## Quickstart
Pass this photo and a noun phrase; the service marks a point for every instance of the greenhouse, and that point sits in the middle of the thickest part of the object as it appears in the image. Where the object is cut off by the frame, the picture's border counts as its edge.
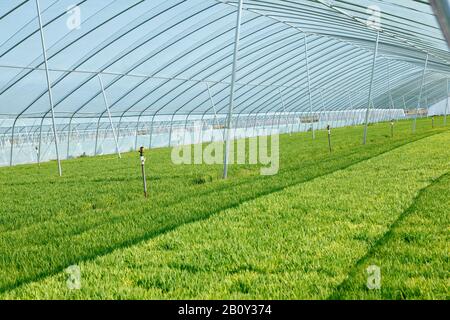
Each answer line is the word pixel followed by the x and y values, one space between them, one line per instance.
pixel 84 84
pixel 126 73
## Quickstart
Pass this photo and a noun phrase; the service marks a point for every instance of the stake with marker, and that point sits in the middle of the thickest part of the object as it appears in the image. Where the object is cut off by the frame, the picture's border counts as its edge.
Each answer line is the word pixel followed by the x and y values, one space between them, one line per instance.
pixel 329 137
pixel 37 155
pixel 141 152
pixel 392 128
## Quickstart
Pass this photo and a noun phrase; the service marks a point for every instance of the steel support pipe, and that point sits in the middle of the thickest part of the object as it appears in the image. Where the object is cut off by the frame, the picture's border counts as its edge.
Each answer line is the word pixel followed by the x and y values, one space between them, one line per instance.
pixel 420 94
pixel 215 112
pixel 50 95
pixel 446 105
pixel 233 81
pixel 309 87
pixel 284 110
pixel 105 100
pixel 366 121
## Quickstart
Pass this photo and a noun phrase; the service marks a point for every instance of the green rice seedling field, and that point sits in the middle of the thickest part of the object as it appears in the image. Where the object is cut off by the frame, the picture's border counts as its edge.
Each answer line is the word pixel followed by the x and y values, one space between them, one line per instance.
pixel 308 232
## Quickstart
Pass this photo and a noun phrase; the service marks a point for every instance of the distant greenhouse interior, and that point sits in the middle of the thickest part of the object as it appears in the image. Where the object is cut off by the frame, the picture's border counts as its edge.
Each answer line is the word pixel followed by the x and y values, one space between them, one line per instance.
pixel 89 77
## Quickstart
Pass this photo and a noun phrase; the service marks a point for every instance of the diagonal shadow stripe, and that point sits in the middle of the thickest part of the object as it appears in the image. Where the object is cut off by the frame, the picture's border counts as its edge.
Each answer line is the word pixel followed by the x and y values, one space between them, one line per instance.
pixel 336 295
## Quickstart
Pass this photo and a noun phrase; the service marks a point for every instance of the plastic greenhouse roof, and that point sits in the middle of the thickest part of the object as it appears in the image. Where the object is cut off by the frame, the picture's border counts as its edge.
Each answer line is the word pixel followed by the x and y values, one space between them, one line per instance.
pixel 167 57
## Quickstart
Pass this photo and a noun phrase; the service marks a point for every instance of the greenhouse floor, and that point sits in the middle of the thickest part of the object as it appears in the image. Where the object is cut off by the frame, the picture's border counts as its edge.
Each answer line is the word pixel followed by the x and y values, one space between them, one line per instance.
pixel 308 232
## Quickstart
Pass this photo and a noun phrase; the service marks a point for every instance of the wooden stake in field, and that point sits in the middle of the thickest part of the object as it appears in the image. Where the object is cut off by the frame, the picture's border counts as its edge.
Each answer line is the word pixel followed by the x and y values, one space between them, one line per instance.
pixel 392 128
pixel 144 179
pixel 329 138
pixel 432 122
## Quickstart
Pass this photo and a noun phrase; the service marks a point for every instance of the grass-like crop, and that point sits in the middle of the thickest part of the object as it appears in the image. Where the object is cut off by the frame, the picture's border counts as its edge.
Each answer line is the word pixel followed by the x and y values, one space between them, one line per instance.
pixel 49 223
pixel 413 256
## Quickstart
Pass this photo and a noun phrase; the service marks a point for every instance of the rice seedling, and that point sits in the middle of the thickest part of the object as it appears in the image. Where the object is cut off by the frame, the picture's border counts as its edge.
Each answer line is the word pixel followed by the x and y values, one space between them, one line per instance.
pixel 296 234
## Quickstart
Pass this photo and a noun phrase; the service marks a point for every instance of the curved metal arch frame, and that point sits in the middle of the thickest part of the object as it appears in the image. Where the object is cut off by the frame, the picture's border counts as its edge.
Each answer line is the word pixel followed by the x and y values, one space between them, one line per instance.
pixel 191 111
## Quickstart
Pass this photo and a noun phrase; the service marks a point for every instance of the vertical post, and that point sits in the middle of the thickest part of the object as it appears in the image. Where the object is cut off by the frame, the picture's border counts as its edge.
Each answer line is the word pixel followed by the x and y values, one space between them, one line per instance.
pixel 333 118
pixel 171 130
pixel 236 126
pixel 37 152
pixel 391 105
pixel 109 115
pixel 366 123
pixel 214 109
pixel 136 133
pixel 291 120
pixel 254 125
pixel 309 87
pixel 392 128
pixel 50 95
pixel 279 120
pixel 404 105
pixel 151 131
pixel 323 105
pixel 343 117
pixel 233 80
pixel 119 125
pixel 68 138
pixel 420 94
pixel 266 118
pixel 360 116
pixel 212 130
pixel 338 119
pixel 351 107
pixel 273 121
pixel 12 144
pixel 347 117
pixel 284 109
pixel 185 129
pixel 329 138
pixel 40 142
pixel 202 133
pixel 96 135
pixel 446 107
pixel 144 179
pixel 246 125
